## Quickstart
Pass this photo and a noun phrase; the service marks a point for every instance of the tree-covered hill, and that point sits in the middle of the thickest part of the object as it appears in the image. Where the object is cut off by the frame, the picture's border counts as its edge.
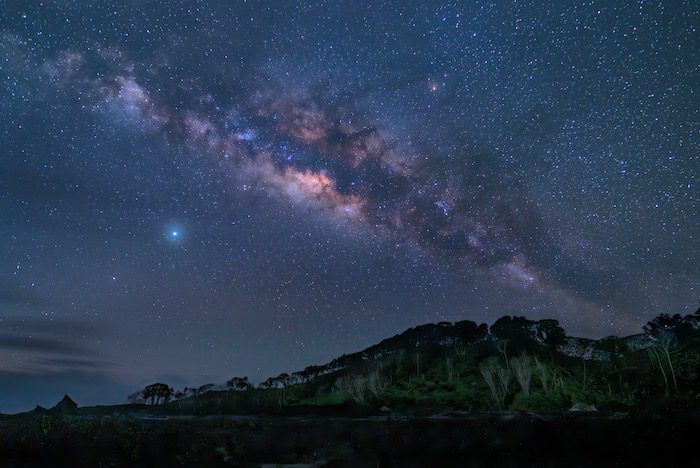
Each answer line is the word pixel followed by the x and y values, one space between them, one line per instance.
pixel 515 364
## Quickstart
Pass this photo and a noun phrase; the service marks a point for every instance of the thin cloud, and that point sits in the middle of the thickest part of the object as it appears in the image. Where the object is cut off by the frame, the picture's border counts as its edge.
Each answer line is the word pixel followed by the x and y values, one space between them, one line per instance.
pixel 40 344
pixel 51 326
pixel 66 363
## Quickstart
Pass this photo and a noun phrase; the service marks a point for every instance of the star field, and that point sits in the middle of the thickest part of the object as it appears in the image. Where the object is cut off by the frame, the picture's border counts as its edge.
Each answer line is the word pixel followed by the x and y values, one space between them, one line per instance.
pixel 195 190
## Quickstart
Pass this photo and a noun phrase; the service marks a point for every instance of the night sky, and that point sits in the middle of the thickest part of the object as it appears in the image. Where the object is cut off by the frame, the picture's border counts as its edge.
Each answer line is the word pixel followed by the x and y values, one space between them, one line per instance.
pixel 197 190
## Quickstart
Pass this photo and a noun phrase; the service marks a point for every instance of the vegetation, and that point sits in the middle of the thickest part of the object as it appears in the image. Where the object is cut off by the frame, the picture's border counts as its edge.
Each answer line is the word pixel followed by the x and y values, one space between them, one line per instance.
pixel 517 365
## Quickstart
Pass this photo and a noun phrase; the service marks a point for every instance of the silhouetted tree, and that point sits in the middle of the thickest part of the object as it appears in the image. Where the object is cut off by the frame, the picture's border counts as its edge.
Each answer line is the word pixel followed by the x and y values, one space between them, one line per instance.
pixel 521 333
pixel 136 398
pixel 550 332
pixel 311 372
pixel 267 384
pixel 280 382
pixel 238 384
pixel 518 331
pixel 157 393
pixel 206 388
pixel 683 327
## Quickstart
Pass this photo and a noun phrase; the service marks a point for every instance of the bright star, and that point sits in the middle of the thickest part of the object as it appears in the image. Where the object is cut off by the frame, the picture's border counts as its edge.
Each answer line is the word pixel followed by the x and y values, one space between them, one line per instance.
pixel 174 233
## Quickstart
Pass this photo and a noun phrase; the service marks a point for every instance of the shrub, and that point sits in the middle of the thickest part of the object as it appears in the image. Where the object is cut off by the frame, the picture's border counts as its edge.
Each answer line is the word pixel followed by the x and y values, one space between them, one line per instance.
pixel 613 402
pixel 540 402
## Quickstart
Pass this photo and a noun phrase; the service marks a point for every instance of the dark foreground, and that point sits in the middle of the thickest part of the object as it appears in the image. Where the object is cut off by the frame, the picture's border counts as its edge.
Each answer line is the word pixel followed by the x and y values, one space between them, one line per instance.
pixel 458 440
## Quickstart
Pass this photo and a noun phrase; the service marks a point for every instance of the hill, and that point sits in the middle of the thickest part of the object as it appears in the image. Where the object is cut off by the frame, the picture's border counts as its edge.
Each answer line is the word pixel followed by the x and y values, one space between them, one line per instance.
pixel 516 364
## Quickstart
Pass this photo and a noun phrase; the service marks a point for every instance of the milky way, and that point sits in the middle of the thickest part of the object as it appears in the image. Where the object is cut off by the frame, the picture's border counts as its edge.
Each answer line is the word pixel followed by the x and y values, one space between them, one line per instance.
pixel 199 191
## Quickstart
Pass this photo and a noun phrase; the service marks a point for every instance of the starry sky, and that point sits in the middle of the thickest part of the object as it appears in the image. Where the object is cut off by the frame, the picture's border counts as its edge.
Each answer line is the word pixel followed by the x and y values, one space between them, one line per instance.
pixel 195 190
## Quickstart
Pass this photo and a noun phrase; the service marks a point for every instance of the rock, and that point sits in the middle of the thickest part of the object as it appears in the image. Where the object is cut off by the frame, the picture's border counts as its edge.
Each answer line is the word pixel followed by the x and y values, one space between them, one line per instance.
pixel 583 408
pixel 384 409
pixel 535 416
pixel 66 405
